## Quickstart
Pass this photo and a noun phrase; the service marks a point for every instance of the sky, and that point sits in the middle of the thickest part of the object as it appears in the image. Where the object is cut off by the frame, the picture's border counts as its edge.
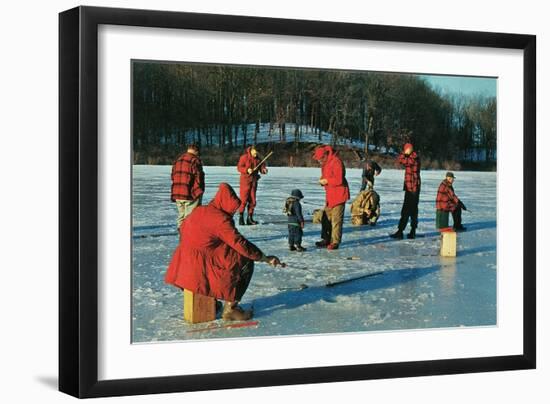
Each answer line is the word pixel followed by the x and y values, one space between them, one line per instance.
pixel 465 85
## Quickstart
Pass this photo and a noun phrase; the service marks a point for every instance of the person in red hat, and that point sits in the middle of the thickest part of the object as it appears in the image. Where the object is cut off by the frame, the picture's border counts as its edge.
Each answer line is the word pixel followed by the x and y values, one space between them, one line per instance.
pixel 187 182
pixel 250 174
pixel 411 161
pixel 333 179
pixel 213 258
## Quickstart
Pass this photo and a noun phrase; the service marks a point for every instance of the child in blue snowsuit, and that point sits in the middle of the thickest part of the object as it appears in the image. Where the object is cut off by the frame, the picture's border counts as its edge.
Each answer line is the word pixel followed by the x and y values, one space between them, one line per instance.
pixel 293 210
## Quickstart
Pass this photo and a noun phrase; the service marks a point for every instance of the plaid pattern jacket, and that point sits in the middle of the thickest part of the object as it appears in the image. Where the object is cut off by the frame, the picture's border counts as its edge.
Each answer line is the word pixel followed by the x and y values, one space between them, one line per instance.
pixel 187 178
pixel 412 171
pixel 446 199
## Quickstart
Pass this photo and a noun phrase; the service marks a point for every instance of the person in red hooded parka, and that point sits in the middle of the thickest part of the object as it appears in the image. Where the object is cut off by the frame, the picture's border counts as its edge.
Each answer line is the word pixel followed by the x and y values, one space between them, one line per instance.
pixel 333 179
pixel 213 258
pixel 250 174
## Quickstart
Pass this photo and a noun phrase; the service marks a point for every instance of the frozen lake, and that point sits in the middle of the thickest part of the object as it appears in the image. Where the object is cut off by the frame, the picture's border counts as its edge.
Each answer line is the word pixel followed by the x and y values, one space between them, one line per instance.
pixel 415 288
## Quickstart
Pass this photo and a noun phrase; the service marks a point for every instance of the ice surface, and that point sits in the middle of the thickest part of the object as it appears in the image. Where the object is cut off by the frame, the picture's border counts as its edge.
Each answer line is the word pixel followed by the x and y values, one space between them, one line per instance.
pixel 415 289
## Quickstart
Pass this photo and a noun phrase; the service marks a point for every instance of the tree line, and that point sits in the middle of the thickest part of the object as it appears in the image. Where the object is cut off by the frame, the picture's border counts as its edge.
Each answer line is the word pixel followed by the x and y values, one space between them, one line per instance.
pixel 215 103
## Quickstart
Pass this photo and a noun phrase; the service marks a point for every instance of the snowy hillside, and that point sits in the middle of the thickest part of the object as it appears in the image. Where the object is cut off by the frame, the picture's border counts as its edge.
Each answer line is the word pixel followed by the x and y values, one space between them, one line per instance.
pixel 412 287
pixel 307 135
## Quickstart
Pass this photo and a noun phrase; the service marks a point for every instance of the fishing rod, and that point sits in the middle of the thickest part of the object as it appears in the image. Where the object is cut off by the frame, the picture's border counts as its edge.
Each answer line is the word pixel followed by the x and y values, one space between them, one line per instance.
pixel 331 284
pixel 261 162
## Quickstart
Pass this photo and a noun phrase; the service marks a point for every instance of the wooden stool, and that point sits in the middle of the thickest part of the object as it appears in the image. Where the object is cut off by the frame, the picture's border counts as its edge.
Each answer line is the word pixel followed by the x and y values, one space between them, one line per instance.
pixel 448 242
pixel 198 308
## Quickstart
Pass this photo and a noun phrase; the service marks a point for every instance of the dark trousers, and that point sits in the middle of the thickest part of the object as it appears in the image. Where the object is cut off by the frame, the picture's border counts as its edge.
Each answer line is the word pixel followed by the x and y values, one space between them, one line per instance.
pixel 294 235
pixel 409 210
pixel 457 217
pixel 246 274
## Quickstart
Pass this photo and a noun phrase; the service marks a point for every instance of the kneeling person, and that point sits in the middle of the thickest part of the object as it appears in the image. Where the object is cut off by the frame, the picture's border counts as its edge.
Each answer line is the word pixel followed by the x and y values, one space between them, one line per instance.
pixel 365 208
pixel 213 258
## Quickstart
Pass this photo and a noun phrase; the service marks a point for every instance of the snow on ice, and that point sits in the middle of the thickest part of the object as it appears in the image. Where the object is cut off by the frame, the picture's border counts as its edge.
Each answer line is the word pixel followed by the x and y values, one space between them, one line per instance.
pixel 411 287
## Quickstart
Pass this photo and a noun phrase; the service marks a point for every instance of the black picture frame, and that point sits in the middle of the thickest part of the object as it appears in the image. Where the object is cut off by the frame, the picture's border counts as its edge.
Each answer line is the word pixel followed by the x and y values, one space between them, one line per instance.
pixel 78 201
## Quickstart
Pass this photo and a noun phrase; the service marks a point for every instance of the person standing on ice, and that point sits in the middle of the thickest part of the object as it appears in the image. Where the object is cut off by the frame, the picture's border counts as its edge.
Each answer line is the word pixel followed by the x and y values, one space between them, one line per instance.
pixel 293 210
pixel 446 201
pixel 333 179
pixel 370 170
pixel 250 174
pixel 213 258
pixel 411 161
pixel 187 182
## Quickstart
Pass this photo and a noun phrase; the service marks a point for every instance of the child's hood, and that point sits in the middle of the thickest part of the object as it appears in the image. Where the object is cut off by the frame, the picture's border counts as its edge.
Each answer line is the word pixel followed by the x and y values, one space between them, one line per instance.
pixel 296 193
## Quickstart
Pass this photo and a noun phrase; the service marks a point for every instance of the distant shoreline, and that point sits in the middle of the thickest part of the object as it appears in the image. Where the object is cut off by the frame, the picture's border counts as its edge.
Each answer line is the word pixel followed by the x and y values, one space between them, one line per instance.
pixel 353 168
pixel 299 155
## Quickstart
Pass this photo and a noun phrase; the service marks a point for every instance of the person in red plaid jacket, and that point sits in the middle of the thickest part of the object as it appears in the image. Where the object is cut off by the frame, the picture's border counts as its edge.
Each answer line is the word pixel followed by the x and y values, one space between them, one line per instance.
pixel 187 182
pixel 446 201
pixel 411 161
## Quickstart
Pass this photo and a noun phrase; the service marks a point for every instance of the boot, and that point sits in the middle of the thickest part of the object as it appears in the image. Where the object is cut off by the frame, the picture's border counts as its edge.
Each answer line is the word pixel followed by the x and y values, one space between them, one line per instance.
pixel 397 235
pixel 322 244
pixel 412 234
pixel 219 306
pixel 250 220
pixel 299 248
pixel 459 228
pixel 332 246
pixel 291 248
pixel 241 219
pixel 233 312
